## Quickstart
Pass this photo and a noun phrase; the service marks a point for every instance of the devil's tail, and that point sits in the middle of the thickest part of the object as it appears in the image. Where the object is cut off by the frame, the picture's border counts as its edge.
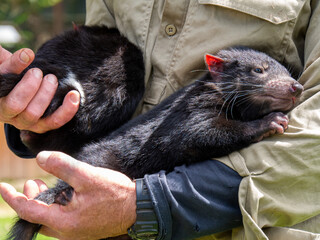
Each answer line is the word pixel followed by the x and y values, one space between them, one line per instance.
pixel 23 230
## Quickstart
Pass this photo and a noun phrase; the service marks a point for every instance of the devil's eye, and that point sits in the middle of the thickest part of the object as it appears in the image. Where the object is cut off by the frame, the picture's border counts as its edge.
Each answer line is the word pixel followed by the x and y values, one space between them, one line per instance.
pixel 258 70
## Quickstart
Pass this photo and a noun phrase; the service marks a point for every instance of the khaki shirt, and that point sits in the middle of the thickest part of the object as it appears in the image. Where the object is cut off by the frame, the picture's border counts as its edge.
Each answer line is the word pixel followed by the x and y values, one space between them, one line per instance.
pixel 279 195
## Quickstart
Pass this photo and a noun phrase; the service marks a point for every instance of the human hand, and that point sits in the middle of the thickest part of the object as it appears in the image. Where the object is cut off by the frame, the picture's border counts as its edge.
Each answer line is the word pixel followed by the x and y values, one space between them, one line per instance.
pixel 26 103
pixel 103 203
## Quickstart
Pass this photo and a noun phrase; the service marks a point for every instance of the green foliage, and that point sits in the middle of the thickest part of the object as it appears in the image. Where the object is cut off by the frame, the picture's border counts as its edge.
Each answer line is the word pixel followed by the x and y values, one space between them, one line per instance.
pixel 44 3
pixel 35 19
pixel 20 13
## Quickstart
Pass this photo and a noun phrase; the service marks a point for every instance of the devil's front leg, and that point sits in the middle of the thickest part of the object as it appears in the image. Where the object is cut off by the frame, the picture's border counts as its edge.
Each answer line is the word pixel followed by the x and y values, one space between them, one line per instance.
pixel 245 133
pixel 226 136
pixel 254 131
pixel 275 122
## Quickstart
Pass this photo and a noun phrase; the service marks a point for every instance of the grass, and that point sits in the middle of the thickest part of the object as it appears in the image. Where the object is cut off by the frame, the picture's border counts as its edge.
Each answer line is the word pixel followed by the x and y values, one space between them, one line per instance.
pixel 5 224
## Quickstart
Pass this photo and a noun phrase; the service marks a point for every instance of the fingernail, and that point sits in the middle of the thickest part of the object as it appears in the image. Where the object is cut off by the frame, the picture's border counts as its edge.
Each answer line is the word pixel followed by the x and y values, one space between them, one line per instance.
pixel 52 79
pixel 24 57
pixel 42 157
pixel 37 73
pixel 74 98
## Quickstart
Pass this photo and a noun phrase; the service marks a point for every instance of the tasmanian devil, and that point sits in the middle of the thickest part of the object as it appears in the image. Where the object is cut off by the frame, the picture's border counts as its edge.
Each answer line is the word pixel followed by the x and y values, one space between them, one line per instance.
pixel 104 67
pixel 241 99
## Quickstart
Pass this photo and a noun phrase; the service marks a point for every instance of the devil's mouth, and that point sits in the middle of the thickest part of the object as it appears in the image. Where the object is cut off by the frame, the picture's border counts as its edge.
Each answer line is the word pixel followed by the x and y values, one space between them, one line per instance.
pixel 278 103
pixel 269 96
pixel 288 99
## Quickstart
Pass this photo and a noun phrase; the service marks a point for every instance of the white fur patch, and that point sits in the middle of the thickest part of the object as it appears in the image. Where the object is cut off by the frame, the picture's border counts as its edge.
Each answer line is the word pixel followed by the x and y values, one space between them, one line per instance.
pixel 71 80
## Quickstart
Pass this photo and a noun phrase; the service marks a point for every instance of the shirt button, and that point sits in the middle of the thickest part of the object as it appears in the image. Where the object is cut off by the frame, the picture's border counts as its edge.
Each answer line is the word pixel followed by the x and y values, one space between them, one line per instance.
pixel 171 30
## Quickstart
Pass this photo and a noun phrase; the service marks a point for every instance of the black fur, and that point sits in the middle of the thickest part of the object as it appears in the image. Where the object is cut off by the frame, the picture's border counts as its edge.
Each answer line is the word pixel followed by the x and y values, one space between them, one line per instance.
pixel 226 110
pixel 111 73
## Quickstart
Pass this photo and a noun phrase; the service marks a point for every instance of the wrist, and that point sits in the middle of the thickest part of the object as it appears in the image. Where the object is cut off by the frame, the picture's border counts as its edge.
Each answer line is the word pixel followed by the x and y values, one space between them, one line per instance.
pixel 146 223
pixel 129 208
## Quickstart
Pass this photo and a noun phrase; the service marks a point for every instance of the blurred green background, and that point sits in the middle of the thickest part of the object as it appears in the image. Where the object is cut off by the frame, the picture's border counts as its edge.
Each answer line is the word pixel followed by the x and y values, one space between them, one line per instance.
pixel 29 23
pixel 38 20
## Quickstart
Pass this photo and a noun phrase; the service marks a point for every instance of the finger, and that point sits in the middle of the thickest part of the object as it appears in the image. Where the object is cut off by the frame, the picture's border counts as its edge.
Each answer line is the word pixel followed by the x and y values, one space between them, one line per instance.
pixel 18 201
pixel 31 210
pixel 61 116
pixel 17 62
pixel 33 187
pixel 64 167
pixel 4 54
pixel 41 184
pixel 40 102
pixel 19 98
pixel 8 192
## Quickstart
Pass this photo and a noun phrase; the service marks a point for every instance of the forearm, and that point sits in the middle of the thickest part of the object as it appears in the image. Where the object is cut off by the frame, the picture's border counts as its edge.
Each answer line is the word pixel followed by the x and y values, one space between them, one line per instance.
pixel 188 207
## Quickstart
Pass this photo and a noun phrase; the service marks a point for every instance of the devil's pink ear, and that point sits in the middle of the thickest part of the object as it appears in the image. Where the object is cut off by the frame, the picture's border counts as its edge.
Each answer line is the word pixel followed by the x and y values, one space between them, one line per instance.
pixel 75 26
pixel 213 63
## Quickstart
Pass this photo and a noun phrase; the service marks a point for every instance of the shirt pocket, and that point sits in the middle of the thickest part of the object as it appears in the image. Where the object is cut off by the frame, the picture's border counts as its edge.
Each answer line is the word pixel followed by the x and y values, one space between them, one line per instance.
pixel 276 12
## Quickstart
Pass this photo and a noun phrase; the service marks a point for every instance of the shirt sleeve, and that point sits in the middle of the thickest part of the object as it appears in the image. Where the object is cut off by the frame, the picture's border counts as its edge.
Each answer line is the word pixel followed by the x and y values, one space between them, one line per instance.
pixel 14 142
pixel 196 200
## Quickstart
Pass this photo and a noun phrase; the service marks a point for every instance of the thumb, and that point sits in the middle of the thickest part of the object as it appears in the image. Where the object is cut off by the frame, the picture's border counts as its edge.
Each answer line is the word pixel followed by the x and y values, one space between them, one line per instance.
pixel 64 167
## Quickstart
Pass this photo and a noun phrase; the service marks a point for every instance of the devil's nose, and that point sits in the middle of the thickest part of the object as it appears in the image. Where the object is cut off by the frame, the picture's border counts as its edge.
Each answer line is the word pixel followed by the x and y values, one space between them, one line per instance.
pixel 296 89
